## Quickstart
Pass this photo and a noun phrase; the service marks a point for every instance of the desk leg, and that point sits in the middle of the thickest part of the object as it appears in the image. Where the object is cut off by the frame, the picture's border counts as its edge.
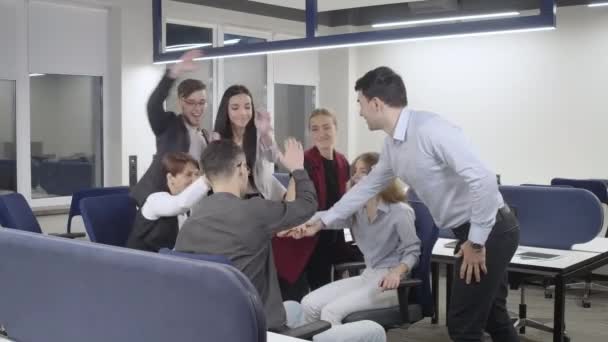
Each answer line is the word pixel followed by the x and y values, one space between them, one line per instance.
pixel 435 286
pixel 449 278
pixel 559 324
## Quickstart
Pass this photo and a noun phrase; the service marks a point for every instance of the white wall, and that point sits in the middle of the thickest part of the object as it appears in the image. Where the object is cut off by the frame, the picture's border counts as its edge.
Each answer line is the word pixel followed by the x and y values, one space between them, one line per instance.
pixel 533 103
pixel 138 79
pixel 337 79
pixel 8 64
pixel 8 37
pixel 67 39
pixel 7 117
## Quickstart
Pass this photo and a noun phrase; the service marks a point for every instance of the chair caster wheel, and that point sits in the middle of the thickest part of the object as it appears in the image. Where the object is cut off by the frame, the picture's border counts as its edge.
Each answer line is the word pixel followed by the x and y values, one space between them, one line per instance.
pixel 586 305
pixel 548 295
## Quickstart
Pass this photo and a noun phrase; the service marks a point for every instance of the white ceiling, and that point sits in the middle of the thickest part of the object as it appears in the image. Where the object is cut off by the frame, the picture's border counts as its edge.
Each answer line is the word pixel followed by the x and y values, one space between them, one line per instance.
pixel 331 5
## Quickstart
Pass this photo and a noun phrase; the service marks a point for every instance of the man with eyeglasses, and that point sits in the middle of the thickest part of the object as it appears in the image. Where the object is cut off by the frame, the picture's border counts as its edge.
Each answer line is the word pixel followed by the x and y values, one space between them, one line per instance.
pixel 174 132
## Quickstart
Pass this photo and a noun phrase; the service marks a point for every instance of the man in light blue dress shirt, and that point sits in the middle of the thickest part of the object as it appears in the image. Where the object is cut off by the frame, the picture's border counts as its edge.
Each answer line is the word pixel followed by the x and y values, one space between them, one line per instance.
pixel 434 158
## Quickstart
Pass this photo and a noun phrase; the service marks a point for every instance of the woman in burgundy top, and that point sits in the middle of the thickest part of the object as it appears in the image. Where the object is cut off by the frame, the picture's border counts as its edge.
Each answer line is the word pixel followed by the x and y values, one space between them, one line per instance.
pixel 307 263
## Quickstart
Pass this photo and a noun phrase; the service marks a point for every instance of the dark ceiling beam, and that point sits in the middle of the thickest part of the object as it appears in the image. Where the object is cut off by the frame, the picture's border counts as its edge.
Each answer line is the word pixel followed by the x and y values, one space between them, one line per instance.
pixel 379 13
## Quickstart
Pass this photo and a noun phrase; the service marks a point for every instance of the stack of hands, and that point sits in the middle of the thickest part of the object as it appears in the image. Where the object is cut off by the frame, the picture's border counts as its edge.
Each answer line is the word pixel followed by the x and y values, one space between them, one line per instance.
pixel 306 230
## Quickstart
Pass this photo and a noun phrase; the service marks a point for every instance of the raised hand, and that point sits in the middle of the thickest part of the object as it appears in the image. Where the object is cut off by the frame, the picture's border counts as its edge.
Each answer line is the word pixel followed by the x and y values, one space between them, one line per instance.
pixel 293 157
pixel 186 64
pixel 215 136
pixel 263 123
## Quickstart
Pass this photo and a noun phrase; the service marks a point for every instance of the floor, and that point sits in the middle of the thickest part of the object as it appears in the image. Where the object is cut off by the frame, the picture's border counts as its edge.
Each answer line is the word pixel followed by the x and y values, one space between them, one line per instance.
pixel 586 325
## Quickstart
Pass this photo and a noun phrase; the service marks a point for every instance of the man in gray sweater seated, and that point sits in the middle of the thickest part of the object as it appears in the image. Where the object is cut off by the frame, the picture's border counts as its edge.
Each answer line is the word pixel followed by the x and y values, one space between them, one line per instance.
pixel 241 229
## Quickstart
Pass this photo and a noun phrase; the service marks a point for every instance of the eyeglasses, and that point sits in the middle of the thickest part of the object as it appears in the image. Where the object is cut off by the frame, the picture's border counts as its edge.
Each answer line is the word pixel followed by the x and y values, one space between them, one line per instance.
pixel 194 103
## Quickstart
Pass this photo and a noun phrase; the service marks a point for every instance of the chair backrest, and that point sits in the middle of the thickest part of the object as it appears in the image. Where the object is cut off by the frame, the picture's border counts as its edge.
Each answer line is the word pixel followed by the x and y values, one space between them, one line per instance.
pixel 596 186
pixel 283 178
pixel 56 289
pixel 427 233
pixel 108 219
pixel 554 217
pixel 65 177
pixel 443 233
pixel 94 192
pixel 197 256
pixel 16 213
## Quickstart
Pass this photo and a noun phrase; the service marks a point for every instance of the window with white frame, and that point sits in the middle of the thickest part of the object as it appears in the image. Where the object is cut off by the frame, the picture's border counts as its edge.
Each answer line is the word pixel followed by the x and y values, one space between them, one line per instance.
pixel 52 101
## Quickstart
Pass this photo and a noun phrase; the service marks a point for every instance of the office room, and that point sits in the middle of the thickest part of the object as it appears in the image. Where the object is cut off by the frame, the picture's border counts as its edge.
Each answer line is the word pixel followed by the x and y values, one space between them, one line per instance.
pixel 193 170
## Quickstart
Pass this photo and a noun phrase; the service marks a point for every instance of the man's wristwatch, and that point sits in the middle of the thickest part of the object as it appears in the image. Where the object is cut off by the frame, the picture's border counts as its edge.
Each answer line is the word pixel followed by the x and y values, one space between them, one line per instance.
pixel 476 246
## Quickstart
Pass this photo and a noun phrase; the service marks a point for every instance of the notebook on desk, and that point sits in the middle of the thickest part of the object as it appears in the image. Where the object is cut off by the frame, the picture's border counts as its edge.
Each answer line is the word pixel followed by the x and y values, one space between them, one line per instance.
pixel 537 256
pixel 451 244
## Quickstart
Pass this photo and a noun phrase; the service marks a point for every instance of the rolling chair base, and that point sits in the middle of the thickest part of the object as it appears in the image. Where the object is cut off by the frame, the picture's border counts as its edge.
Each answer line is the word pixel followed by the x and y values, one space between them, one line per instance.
pixel 522 321
pixel 69 235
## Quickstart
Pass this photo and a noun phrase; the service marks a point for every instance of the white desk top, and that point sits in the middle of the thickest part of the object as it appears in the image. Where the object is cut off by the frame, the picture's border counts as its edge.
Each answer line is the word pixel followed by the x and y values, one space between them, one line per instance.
pixel 597 245
pixel 565 259
pixel 272 337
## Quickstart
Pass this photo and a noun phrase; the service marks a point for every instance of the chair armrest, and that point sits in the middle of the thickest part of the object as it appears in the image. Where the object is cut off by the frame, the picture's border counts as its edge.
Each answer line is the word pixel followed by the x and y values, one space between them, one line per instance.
pixel 403 293
pixel 307 331
pixel 349 266
pixel 69 235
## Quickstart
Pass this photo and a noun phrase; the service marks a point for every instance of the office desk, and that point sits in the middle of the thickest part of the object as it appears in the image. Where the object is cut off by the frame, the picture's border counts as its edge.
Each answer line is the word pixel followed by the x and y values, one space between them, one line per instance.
pixel 597 245
pixel 569 264
pixel 272 337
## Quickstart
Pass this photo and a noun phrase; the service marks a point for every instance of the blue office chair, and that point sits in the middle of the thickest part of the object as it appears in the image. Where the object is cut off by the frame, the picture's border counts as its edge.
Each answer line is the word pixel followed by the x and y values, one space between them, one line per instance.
pixel 16 213
pixel 415 294
pixel 550 217
pixel 306 332
pixel 109 219
pixel 554 217
pixel 599 187
pixel 102 293
pixel 197 256
pixel 94 192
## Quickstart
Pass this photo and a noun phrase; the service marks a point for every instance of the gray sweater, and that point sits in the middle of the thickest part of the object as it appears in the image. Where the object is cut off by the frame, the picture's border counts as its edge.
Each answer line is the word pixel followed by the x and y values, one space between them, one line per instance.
pixel 241 230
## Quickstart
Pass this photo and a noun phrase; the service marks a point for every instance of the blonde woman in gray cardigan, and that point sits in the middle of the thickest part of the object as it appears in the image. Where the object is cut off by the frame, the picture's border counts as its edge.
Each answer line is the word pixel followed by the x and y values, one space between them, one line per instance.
pixel 238 121
pixel 385 233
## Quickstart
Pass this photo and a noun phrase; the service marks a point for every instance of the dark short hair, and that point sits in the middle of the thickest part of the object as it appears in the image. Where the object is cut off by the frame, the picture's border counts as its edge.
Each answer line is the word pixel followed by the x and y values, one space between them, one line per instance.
pixel 384 84
pixel 219 158
pixel 189 86
pixel 175 162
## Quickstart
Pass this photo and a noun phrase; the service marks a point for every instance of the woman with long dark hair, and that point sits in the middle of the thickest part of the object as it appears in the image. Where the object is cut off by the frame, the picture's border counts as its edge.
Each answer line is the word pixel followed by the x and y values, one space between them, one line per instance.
pixel 238 121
